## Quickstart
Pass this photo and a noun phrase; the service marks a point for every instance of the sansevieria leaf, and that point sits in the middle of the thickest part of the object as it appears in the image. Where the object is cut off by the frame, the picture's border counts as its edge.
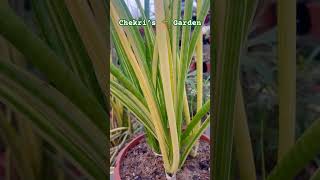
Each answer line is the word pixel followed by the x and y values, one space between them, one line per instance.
pixel 303 151
pixel 231 21
pixel 53 68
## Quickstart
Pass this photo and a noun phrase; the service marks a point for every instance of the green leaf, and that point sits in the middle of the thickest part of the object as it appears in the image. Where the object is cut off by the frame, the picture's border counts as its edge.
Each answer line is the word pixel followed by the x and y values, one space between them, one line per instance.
pixel 60 33
pixel 193 139
pixel 61 112
pixel 299 155
pixel 37 52
pixel 11 138
pixel 52 135
pixel 195 120
pixel 231 17
pixel 286 74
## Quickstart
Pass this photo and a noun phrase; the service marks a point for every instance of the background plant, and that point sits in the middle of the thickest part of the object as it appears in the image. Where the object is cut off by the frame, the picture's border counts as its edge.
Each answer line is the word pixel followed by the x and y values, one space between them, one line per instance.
pixel 123 125
pixel 227 124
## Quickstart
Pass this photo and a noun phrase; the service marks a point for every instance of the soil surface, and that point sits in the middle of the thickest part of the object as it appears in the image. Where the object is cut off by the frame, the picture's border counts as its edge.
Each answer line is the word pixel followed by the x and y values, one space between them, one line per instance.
pixel 140 163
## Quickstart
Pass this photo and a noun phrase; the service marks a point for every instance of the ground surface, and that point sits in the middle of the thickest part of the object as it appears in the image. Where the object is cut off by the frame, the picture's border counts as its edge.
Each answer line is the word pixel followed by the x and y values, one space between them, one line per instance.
pixel 141 164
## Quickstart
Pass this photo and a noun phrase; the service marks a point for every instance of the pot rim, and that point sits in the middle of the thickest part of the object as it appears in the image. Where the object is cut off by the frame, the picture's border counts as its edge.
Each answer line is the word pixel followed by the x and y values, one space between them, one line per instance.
pixel 133 143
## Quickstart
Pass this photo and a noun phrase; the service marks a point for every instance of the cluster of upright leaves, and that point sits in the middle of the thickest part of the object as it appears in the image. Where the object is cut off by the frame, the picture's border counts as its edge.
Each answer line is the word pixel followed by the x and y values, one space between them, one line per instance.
pixel 121 128
pixel 152 73
pixel 68 110
pixel 232 20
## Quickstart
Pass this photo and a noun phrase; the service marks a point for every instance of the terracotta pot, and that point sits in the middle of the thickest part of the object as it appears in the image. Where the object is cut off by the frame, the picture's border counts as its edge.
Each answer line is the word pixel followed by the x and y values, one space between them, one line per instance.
pixel 316 88
pixel 193 66
pixel 267 19
pixel 132 144
pixel 314 10
pixel 208 66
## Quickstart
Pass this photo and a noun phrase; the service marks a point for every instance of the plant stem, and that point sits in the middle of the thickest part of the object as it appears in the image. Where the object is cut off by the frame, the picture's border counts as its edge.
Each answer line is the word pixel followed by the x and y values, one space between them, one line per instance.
pixel 199 64
pixel 302 152
pixel 100 15
pixel 243 146
pixel 147 8
pixel 232 16
pixel 166 80
pixel 287 74
pixel 91 36
pixel 186 109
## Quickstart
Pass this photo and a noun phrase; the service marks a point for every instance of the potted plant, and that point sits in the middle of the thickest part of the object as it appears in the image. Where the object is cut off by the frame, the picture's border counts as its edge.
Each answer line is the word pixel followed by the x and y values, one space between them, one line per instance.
pixel 151 78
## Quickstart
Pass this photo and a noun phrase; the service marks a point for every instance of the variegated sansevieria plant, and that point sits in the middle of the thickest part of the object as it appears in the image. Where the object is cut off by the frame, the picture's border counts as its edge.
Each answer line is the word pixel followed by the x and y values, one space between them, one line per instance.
pixel 151 78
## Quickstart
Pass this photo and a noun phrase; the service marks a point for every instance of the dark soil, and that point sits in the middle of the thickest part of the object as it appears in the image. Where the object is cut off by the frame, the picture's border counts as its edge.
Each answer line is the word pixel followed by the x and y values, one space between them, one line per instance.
pixel 140 163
